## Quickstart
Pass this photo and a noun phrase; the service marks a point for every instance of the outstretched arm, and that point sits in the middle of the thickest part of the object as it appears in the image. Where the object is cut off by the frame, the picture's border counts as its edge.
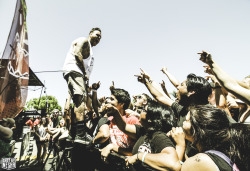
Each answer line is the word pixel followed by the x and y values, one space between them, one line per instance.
pixel 102 135
pixel 164 89
pixel 95 102
pixel 112 147
pixel 230 84
pixel 171 78
pixel 219 93
pixel 158 160
pixel 243 84
pixel 154 89
pixel 128 129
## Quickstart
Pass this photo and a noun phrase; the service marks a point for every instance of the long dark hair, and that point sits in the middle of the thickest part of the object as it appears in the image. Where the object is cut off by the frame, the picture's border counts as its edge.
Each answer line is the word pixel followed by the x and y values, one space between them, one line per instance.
pixel 240 145
pixel 159 118
pixel 211 129
pixel 201 87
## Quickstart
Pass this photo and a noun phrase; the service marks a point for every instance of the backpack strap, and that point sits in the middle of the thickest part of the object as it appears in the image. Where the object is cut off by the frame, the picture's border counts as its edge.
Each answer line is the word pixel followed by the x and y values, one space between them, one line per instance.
pixel 224 157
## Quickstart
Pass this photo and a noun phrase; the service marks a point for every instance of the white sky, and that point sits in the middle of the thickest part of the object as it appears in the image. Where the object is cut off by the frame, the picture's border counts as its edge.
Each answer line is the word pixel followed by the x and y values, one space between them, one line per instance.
pixel 135 33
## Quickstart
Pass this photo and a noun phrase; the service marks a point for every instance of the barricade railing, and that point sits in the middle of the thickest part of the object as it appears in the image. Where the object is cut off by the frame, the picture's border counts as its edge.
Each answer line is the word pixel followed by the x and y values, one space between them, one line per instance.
pixel 25 140
pixel 63 159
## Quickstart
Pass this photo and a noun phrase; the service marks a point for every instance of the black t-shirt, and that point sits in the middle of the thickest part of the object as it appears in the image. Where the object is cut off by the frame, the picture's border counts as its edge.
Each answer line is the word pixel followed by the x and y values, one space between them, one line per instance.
pixel 102 121
pixel 221 163
pixel 180 113
pixel 156 144
pixel 92 125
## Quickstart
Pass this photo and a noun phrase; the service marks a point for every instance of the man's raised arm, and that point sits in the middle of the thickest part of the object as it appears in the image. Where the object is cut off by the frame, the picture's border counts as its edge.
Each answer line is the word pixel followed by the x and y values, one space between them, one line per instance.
pixel 230 84
pixel 171 78
pixel 128 129
pixel 154 89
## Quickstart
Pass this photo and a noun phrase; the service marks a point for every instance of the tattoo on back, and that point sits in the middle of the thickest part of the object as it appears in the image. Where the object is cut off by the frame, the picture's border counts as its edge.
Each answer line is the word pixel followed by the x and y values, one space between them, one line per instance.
pixel 197 158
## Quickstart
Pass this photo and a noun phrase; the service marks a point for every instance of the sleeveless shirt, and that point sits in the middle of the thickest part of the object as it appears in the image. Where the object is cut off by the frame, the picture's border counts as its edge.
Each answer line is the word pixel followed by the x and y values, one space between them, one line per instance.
pixel 70 63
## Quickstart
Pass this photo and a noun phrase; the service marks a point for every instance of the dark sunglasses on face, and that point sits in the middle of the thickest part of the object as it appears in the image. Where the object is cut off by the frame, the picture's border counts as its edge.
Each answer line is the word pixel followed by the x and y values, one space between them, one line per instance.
pixel 138 97
pixel 139 111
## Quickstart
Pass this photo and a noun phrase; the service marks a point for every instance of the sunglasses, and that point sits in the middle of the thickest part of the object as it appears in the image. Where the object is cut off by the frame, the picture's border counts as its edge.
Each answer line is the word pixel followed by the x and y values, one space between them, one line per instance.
pixel 138 97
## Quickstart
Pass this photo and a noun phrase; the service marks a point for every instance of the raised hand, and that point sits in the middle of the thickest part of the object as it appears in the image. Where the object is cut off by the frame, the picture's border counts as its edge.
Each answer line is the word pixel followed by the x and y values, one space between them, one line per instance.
pixel 112 87
pixel 144 74
pixel 106 151
pixel 231 103
pixel 163 86
pixel 102 99
pixel 178 135
pixel 140 79
pixel 164 70
pixel 208 70
pixel 130 112
pixel 205 57
pixel 95 86
pixel 130 160
pixel 212 77
pixel 110 109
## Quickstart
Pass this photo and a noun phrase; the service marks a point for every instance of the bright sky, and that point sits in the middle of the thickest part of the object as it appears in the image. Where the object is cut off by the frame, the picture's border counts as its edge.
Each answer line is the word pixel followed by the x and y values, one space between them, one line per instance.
pixel 135 34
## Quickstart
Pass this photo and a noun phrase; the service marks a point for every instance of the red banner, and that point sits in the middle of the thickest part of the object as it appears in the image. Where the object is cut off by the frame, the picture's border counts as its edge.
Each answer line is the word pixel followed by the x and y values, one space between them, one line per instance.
pixel 14 66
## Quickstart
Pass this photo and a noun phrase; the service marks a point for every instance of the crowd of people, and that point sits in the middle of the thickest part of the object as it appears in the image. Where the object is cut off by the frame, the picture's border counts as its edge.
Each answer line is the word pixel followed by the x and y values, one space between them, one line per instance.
pixel 47 130
pixel 204 127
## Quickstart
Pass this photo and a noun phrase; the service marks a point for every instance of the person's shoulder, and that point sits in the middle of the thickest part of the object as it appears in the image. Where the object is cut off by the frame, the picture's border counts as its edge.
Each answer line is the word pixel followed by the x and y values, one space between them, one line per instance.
pixel 140 130
pixel 80 40
pixel 160 137
pixel 132 120
pixel 160 134
pixel 200 161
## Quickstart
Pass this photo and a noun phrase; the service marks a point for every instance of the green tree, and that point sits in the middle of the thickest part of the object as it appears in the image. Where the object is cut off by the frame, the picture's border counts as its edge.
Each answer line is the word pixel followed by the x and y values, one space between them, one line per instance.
pixel 51 100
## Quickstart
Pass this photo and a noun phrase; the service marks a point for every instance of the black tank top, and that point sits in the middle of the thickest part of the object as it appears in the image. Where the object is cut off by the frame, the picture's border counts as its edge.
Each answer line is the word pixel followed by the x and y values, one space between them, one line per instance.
pixel 221 163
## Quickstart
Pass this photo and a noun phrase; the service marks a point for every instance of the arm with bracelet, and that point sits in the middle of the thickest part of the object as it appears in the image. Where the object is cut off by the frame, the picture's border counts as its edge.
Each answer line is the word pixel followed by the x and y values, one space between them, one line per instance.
pixel 167 159
pixel 128 129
